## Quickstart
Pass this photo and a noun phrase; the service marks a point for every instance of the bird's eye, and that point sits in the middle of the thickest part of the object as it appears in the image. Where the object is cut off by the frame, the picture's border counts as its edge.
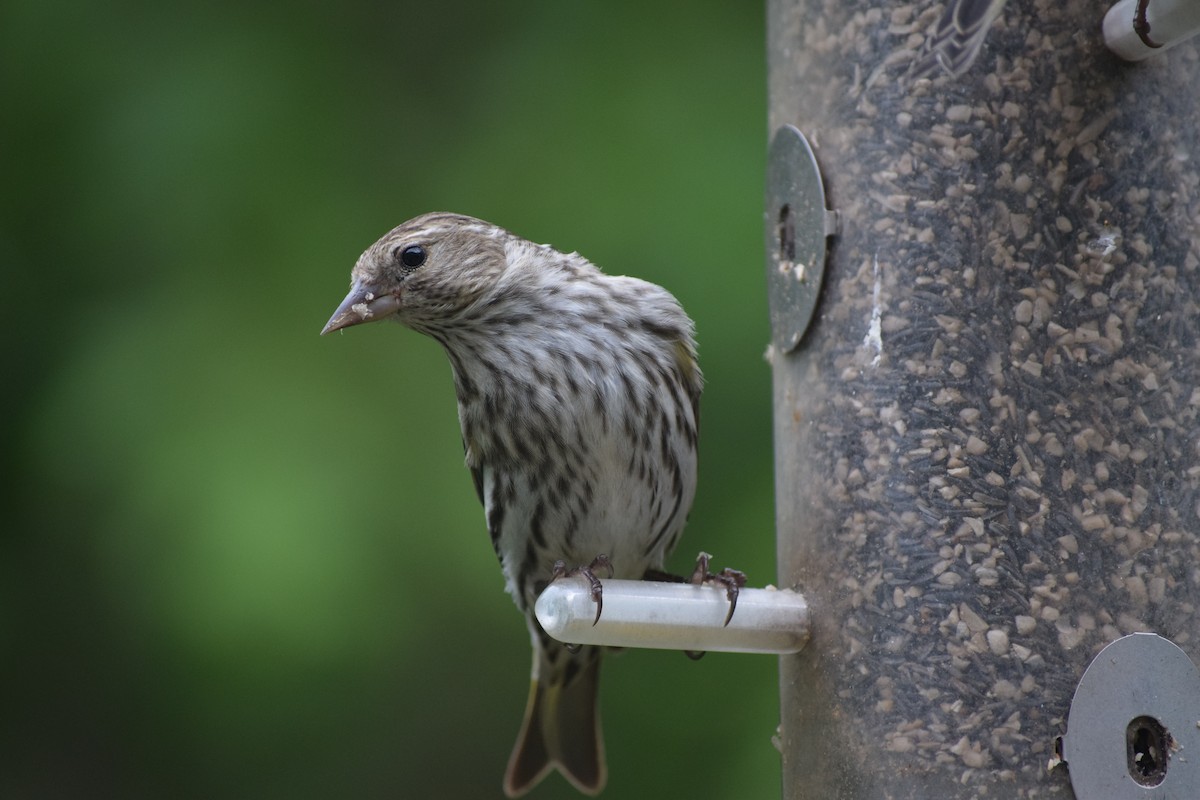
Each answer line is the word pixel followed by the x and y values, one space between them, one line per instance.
pixel 412 256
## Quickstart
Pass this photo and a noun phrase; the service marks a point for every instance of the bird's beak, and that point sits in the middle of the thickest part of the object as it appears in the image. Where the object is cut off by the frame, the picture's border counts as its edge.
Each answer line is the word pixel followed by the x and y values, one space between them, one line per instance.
pixel 363 304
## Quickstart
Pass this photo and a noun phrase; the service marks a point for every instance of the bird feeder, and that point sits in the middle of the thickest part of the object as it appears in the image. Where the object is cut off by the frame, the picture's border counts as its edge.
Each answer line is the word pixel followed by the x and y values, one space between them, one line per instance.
pixel 985 303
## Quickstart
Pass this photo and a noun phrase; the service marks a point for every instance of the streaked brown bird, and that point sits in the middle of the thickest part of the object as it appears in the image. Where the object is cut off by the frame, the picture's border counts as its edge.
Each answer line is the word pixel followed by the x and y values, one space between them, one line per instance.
pixel 578 396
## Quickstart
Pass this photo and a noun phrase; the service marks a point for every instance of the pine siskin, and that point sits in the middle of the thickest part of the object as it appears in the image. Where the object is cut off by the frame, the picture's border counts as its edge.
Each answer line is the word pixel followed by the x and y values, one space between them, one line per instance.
pixel 578 396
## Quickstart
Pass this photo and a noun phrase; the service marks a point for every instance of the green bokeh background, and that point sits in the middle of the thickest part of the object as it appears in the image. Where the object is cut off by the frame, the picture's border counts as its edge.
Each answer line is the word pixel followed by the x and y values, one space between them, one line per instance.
pixel 239 560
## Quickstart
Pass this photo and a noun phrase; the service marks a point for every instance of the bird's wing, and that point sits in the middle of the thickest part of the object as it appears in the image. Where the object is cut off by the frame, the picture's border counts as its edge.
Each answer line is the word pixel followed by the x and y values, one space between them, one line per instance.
pixel 693 383
pixel 476 476
pixel 477 479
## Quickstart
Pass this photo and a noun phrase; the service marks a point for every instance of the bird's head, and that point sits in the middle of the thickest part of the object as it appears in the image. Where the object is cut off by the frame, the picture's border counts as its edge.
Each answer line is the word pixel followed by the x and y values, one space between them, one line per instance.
pixel 424 273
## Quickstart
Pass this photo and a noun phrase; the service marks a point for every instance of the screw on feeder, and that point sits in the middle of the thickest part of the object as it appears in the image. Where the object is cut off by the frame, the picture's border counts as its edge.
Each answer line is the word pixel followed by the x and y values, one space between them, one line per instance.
pixel 797 226
pixel 1135 708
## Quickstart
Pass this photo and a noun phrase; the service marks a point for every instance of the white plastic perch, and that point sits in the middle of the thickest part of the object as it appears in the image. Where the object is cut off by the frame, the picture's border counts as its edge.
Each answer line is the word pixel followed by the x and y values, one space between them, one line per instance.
pixel 674 616
pixel 1163 23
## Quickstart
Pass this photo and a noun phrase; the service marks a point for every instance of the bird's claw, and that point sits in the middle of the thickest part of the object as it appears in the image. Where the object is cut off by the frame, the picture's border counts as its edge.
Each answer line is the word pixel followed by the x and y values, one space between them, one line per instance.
pixel 599 562
pixel 733 580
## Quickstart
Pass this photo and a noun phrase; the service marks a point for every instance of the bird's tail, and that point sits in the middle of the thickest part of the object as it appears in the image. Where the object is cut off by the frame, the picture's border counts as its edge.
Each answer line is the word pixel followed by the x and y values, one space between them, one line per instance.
pixel 562 723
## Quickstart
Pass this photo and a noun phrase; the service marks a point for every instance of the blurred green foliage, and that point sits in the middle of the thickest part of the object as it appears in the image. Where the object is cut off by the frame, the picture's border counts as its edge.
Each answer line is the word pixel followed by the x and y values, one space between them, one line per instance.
pixel 239 560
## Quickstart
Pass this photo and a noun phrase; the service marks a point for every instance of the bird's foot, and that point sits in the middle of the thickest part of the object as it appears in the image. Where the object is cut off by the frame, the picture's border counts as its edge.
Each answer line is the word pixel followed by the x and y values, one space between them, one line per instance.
pixel 733 580
pixel 599 562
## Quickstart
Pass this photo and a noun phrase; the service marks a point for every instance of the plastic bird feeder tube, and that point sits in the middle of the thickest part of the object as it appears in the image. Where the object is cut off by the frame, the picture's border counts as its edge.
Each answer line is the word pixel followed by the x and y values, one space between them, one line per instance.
pixel 674 616
pixel 988 433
